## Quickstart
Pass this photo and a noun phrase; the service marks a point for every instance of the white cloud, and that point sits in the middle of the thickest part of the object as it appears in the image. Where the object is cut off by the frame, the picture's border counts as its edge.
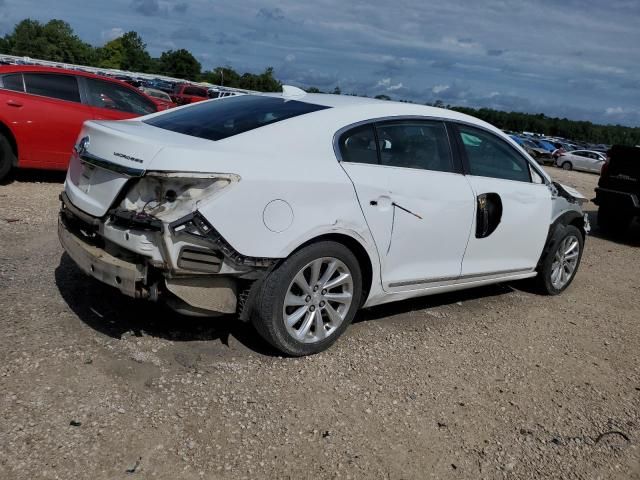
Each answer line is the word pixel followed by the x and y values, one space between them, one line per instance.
pixel 614 111
pixel 397 86
pixel 440 88
pixel 385 82
pixel 290 58
pixel 112 34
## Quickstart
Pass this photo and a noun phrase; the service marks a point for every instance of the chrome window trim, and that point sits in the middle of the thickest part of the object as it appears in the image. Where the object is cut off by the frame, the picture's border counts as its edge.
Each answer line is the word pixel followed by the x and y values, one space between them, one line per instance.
pixel 339 132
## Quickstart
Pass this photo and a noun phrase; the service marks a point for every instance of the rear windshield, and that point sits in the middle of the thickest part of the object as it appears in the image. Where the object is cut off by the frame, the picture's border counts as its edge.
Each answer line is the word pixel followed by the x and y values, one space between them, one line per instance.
pixel 220 119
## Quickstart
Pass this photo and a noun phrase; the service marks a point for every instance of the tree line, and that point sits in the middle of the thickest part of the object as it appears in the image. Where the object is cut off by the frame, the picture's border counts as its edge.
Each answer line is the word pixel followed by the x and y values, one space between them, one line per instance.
pixel 56 41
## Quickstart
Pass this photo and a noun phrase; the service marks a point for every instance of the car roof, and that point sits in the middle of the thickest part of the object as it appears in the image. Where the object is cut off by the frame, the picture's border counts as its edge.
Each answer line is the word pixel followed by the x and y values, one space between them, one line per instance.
pixel 374 108
pixel 63 71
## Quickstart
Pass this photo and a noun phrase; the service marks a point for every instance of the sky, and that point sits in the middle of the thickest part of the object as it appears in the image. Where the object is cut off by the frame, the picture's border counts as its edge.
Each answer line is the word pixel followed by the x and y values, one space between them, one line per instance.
pixel 578 59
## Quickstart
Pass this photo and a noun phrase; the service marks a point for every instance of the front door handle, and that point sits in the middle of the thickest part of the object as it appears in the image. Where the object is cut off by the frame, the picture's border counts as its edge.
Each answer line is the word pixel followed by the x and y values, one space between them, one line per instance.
pixel 14 103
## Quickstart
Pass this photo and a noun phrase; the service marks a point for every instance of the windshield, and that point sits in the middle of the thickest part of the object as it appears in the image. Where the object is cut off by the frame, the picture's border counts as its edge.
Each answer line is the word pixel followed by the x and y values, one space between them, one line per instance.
pixel 223 118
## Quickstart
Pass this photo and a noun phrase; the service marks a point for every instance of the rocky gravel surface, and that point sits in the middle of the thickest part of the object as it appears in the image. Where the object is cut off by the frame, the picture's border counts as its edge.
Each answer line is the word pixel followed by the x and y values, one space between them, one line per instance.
pixel 495 382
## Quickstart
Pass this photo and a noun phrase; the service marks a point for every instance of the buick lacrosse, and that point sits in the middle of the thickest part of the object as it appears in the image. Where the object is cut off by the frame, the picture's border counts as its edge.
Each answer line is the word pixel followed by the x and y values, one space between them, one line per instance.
pixel 294 210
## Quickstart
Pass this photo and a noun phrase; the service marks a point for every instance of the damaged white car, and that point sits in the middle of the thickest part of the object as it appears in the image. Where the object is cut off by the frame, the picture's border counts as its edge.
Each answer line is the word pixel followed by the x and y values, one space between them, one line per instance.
pixel 295 210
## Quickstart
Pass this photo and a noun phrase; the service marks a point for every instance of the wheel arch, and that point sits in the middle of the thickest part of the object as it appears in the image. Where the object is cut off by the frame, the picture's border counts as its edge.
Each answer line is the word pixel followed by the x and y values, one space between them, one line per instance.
pixel 6 132
pixel 360 252
pixel 567 218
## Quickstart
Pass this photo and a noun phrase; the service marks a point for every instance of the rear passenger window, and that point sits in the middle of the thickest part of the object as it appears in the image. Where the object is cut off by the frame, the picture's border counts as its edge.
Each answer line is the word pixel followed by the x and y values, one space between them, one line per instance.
pixel 415 144
pixel 62 87
pixel 489 156
pixel 13 82
pixel 359 145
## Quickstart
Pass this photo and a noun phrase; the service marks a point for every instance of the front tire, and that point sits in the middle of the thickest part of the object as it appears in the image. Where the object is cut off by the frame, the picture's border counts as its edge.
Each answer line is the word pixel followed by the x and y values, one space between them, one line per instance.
pixel 560 264
pixel 567 166
pixel 309 300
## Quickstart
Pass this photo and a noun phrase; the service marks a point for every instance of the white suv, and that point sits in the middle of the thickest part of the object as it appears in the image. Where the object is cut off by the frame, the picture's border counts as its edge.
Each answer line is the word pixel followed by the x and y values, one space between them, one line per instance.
pixel 294 210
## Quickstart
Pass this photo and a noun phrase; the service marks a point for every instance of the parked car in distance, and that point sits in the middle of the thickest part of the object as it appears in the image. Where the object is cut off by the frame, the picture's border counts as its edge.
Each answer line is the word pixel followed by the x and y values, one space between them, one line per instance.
pixel 160 98
pixel 618 190
pixel 186 93
pixel 540 154
pixel 42 110
pixel 584 160
pixel 295 210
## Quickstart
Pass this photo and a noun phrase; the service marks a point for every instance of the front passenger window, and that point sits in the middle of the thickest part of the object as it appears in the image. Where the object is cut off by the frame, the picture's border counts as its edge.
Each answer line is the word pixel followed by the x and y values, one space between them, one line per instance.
pixel 489 156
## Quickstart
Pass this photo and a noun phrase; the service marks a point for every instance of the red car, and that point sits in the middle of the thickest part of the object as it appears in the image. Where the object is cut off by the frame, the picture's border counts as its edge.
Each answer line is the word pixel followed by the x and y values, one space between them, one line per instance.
pixel 160 98
pixel 185 93
pixel 43 108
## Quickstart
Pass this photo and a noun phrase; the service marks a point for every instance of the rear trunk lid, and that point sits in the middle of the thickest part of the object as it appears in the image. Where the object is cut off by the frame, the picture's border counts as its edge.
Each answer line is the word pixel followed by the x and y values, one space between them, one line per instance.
pixel 109 155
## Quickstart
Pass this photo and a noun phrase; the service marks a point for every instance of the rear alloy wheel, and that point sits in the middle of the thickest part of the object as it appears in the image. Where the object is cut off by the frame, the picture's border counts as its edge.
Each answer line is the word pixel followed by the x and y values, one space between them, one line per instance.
pixel 7 157
pixel 567 166
pixel 308 301
pixel 560 265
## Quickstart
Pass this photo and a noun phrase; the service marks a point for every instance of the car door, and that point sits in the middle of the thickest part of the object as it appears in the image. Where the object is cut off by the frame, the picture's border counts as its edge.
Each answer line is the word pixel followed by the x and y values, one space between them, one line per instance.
pixel 595 163
pixel 417 204
pixel 581 160
pixel 111 101
pixel 55 115
pixel 14 113
pixel 512 211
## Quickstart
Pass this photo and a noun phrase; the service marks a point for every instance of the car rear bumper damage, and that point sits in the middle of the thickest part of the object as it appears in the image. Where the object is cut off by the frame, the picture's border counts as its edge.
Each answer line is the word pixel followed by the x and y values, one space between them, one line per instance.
pixel 154 262
pixel 94 261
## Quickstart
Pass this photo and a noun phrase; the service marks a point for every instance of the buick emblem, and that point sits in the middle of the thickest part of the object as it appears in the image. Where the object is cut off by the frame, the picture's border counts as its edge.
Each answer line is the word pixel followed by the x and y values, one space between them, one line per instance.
pixel 82 145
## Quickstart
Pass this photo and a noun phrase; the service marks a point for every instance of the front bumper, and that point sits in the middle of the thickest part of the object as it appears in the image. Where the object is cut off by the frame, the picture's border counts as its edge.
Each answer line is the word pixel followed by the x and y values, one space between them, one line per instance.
pixel 125 276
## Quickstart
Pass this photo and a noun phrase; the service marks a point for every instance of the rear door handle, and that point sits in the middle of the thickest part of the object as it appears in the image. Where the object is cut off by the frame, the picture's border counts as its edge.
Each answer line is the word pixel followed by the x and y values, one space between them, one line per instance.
pixel 14 103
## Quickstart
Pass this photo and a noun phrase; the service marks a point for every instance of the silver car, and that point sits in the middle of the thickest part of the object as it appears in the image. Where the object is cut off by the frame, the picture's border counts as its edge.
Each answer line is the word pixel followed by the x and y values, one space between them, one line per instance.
pixel 584 160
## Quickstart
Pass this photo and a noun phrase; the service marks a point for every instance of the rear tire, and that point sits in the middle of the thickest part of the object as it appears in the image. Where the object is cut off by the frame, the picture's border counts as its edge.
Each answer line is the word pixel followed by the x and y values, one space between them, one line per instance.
pixel 567 166
pixel 302 315
pixel 560 264
pixel 613 221
pixel 7 157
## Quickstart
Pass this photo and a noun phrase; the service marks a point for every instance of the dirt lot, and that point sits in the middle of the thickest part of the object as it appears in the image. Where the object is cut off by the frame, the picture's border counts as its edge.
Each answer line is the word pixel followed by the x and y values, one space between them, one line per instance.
pixel 490 383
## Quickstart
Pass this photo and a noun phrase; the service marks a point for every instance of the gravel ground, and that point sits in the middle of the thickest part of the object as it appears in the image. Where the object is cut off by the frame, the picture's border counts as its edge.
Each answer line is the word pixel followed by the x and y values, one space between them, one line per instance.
pixel 494 382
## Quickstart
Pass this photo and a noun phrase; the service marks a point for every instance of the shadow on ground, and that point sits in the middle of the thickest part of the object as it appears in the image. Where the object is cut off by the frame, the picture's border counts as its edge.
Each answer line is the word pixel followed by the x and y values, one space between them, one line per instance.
pixel 33 176
pixel 107 311
pixel 631 237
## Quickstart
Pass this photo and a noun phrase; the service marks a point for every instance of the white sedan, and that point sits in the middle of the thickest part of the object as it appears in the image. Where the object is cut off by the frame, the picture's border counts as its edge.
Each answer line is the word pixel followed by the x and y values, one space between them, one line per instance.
pixel 585 160
pixel 294 210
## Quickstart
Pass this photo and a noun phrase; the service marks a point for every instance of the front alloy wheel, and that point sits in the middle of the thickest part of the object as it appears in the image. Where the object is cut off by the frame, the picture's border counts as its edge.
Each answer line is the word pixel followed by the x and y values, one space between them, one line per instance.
pixel 308 301
pixel 560 263
pixel 565 261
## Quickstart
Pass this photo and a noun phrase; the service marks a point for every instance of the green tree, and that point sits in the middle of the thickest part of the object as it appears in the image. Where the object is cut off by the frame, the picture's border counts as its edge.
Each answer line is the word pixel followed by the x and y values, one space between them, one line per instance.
pixel 53 41
pixel 180 64
pixel 382 97
pixel 127 52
